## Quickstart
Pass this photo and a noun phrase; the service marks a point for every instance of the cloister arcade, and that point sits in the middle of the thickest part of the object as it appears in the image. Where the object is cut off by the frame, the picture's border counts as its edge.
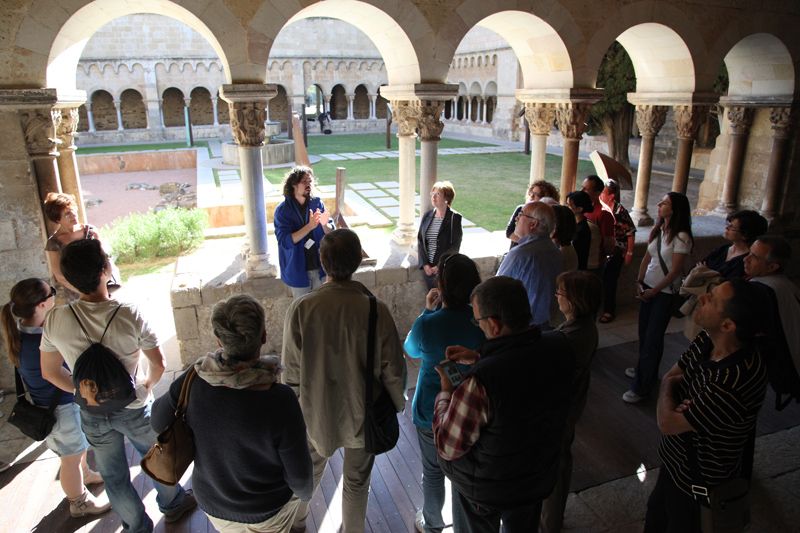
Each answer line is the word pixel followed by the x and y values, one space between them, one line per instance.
pixel 677 51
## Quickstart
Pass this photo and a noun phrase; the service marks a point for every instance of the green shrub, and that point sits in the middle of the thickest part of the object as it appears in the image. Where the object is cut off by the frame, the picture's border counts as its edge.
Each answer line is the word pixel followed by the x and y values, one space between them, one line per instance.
pixel 165 233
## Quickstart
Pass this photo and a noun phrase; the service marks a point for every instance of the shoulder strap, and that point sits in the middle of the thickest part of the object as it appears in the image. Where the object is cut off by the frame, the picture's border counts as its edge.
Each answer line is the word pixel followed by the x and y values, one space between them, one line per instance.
pixel 368 373
pixel 658 251
pixel 78 320
pixel 109 323
pixel 18 382
pixel 183 399
pixel 84 329
pixel 21 390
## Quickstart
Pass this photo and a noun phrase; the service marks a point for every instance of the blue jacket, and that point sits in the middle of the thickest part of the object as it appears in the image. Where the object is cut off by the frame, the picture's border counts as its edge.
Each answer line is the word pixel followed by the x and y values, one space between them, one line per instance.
pixel 291 256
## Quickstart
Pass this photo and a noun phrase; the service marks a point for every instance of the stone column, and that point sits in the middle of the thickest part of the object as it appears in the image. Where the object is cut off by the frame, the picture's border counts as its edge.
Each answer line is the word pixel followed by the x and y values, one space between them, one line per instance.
pixel 781 120
pixel 90 117
pixel 151 97
pixel 118 108
pixel 373 105
pixel 649 120
pixel 483 111
pixel 215 109
pixel 67 163
pixel 468 114
pixel 430 130
pixel 247 103
pixel 740 119
pixel 39 126
pixel 687 120
pixel 326 105
pixel 572 123
pixel 350 98
pixel 161 112
pixel 406 115
pixel 540 117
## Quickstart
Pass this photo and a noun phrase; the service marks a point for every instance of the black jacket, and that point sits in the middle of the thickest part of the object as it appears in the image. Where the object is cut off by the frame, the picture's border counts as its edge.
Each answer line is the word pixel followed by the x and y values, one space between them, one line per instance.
pixel 449 239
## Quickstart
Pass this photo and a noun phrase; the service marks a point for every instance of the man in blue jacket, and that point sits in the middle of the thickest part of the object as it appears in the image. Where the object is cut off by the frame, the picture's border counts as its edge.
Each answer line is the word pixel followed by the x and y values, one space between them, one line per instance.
pixel 300 224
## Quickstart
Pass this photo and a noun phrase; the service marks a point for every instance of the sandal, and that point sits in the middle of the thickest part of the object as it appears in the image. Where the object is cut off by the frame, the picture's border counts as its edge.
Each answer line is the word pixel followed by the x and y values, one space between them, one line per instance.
pixel 606 318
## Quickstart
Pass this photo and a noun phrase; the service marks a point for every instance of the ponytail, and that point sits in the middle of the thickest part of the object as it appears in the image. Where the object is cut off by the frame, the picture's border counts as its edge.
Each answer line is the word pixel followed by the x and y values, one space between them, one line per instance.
pixel 8 324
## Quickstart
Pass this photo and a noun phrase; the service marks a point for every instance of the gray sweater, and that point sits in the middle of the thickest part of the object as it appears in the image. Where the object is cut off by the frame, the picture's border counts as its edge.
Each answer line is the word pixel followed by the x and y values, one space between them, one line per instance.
pixel 251 448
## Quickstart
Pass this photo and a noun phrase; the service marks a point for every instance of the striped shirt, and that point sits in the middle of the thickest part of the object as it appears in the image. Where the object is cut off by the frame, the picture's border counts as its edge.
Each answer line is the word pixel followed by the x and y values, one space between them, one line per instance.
pixel 432 236
pixel 725 399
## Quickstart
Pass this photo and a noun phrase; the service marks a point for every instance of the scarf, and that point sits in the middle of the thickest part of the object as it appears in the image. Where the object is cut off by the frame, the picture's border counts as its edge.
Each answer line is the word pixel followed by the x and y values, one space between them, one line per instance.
pixel 218 371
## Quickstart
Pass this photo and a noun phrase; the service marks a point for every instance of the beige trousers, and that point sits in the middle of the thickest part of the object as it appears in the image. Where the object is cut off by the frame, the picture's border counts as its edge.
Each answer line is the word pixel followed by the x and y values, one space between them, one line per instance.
pixel 281 522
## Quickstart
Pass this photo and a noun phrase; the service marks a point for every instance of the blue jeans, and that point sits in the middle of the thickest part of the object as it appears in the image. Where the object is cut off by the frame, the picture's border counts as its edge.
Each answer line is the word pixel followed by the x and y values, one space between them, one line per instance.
pixel 654 317
pixel 432 483
pixel 106 434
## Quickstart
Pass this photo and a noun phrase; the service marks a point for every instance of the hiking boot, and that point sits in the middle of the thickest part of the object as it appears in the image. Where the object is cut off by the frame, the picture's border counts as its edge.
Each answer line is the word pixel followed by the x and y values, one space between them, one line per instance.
pixel 86 504
pixel 630 372
pixel 632 397
pixel 188 504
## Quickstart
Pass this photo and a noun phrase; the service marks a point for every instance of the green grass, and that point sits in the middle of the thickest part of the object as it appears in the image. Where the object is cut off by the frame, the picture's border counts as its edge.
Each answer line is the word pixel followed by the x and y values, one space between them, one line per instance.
pixel 157 265
pixel 136 147
pixel 488 186
pixel 368 142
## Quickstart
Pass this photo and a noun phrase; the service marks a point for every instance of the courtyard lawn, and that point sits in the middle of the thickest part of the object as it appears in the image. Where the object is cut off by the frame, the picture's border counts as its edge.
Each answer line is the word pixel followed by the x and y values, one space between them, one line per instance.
pixel 488 186
pixel 368 142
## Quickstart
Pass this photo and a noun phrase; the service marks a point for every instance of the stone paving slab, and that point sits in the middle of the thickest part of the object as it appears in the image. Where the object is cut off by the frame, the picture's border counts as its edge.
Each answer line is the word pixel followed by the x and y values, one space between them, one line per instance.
pixel 360 186
pixel 388 184
pixel 326 188
pixel 393 212
pixel 373 193
pixel 352 155
pixel 388 153
pixel 333 157
pixel 388 201
pixel 393 190
pixel 371 155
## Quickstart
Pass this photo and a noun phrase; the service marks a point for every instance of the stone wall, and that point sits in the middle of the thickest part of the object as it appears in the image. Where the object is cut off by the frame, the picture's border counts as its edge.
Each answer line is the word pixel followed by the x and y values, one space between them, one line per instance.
pixel 137 161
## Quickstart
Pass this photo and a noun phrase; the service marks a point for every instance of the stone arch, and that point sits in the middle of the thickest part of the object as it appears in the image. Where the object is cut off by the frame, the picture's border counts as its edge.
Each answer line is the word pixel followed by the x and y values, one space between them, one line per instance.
pixel 318 98
pixel 66 39
pixel 381 26
pixel 338 102
pixel 103 111
pixel 134 113
pixel 361 102
pixel 760 65
pixel 279 108
pixel 660 57
pixel 201 110
pixel 172 103
pixel 475 89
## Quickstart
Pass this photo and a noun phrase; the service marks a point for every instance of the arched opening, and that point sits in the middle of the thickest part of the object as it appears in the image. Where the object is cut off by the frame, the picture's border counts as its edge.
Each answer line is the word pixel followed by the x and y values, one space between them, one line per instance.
pixel 83 119
pixel 338 103
pixel 279 108
pixel 448 109
pixel 460 108
pixel 104 112
pixel 172 104
pixel 223 111
pixel 134 114
pixel 201 111
pixel 361 103
pixel 315 103
pixel 491 100
pixel 474 110
pixel 381 105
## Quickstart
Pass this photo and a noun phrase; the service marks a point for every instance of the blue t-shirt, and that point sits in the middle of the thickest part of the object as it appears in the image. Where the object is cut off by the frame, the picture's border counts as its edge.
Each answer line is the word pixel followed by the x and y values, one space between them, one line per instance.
pixel 432 332
pixel 30 368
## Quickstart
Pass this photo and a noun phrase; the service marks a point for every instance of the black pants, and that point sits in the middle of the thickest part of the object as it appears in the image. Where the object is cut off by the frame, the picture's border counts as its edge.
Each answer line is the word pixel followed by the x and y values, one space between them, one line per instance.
pixel 472 518
pixel 610 277
pixel 669 509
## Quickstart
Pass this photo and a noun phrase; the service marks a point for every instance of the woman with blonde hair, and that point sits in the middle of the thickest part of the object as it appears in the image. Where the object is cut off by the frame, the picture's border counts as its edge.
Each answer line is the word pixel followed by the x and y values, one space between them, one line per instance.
pixel 439 231
pixel 22 319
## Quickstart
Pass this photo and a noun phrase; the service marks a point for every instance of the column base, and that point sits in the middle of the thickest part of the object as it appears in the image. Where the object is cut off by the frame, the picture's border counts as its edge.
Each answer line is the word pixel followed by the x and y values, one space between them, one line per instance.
pixel 259 266
pixel 724 209
pixel 641 218
pixel 404 235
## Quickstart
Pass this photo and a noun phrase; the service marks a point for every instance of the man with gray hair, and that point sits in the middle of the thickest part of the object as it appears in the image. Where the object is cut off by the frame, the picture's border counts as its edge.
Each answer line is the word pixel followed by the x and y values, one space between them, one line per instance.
pixel 324 356
pixel 535 261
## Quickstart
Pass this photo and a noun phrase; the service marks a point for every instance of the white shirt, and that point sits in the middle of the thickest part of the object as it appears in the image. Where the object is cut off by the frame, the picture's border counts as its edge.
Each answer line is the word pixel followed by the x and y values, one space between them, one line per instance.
pixel 681 244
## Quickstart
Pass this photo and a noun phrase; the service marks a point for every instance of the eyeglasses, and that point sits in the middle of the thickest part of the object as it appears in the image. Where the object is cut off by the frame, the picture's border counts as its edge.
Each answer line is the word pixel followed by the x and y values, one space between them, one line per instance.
pixel 51 295
pixel 529 216
pixel 477 321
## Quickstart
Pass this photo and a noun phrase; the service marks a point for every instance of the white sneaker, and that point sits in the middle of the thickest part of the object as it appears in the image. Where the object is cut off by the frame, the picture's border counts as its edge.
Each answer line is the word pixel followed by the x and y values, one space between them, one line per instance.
pixel 88 505
pixel 4 466
pixel 631 397
pixel 419 522
pixel 630 372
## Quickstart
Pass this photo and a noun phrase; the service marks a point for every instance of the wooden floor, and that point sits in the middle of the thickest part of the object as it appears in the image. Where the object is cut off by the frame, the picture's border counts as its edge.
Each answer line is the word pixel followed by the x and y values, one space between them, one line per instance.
pixel 613 440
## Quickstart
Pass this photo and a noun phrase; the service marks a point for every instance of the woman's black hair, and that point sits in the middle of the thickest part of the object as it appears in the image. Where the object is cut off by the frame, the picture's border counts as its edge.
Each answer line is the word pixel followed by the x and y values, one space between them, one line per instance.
pixel 679 222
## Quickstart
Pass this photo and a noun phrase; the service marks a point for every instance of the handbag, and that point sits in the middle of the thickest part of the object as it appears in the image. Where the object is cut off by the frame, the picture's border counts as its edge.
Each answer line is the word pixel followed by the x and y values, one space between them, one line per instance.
pixel 677 300
pixel 173 450
pixel 34 421
pixel 381 428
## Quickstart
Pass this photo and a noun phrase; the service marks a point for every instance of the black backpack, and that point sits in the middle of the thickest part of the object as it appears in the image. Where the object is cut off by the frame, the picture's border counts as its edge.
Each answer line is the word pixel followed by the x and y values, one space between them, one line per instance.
pixel 102 384
pixel 775 351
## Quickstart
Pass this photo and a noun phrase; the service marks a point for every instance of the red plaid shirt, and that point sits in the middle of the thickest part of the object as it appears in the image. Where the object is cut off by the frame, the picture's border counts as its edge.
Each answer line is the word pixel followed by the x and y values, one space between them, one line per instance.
pixel 458 419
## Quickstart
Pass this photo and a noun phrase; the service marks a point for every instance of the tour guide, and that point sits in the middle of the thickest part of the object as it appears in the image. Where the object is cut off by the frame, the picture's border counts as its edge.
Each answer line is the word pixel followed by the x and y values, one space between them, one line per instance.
pixel 300 224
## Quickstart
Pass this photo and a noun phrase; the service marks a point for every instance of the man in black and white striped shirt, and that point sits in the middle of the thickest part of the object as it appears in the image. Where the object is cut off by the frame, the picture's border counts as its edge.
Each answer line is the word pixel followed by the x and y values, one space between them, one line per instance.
pixel 707 406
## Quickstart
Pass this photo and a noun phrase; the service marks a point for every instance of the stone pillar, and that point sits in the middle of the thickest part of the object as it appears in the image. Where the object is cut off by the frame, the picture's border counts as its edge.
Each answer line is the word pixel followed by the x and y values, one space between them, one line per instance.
pixel 214 107
pixel 430 130
pixel 406 115
pixel 161 112
pixel 649 120
pixel 483 111
pixel 118 108
pixel 540 117
pixel 151 96
pixel 67 163
pixel 571 118
pixel 247 103
pixel 373 104
pixel 781 120
pixel 687 120
pixel 468 114
pixel 39 126
pixel 740 119
pixel 326 105
pixel 350 98
pixel 90 117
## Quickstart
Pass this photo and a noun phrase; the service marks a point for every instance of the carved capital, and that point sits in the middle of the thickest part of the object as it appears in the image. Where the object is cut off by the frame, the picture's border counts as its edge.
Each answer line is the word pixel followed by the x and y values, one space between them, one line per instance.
pixel 247 122
pixel 571 119
pixel 406 114
pixel 67 127
pixel 687 119
pixel 430 120
pixel 650 119
pixel 39 126
pixel 740 119
pixel 781 120
pixel 540 117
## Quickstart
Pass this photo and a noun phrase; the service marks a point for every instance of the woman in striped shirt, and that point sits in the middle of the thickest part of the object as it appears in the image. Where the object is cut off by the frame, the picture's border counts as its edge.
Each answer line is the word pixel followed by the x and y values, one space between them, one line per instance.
pixel 439 231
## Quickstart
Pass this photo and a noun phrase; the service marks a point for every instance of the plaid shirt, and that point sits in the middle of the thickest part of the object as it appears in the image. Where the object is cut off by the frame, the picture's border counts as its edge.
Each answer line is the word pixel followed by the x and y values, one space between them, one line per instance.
pixel 458 419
